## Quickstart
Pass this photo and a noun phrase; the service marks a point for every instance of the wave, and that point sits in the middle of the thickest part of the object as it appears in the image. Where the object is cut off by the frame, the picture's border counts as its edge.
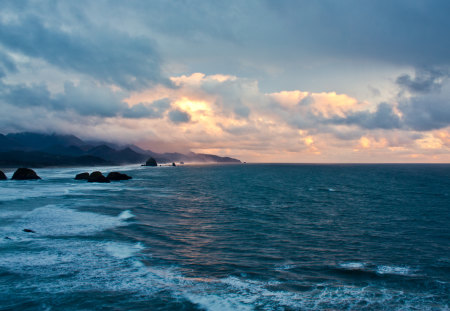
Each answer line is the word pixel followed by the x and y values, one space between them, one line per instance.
pixel 396 270
pixel 379 270
pixel 352 265
pixel 126 215
pixel 123 250
pixel 53 220
pixel 73 265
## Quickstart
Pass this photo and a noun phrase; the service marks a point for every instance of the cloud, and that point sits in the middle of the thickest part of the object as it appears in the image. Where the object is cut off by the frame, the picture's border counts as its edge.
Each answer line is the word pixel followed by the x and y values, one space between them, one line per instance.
pixel 425 81
pixel 148 110
pixel 425 113
pixel 280 126
pixel 382 118
pixel 7 64
pixel 108 55
pixel 425 105
pixel 84 99
pixel 178 116
pixel 386 31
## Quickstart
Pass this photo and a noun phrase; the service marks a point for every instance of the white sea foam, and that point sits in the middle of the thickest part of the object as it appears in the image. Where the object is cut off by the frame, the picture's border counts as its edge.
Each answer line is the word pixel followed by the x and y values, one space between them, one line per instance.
pixel 29 189
pixel 284 267
pixel 53 220
pixel 220 302
pixel 396 270
pixel 123 250
pixel 24 189
pixel 126 215
pixel 68 265
pixel 352 265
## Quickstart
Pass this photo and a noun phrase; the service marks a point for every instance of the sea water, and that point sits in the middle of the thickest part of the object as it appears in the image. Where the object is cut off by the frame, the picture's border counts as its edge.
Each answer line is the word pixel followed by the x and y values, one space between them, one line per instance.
pixel 228 237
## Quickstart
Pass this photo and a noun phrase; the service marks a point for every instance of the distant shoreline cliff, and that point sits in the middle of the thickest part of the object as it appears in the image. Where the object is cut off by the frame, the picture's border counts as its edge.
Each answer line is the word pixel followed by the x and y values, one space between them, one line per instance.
pixel 46 150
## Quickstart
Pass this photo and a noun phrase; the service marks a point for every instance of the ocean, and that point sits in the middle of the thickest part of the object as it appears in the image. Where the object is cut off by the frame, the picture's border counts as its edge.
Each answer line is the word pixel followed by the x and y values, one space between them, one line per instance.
pixel 228 237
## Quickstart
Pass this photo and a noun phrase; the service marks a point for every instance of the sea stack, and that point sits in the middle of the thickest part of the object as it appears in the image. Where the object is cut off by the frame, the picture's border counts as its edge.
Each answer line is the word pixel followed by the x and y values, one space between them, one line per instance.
pixel 25 174
pixel 2 176
pixel 97 177
pixel 82 176
pixel 151 162
pixel 115 176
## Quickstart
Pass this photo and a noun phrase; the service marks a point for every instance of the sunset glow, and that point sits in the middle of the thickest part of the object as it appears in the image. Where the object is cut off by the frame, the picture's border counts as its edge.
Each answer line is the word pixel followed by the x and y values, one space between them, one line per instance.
pixel 317 104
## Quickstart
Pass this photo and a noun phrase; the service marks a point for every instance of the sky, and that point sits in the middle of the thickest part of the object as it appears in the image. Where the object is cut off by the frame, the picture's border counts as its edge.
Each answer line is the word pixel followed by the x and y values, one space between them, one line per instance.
pixel 353 81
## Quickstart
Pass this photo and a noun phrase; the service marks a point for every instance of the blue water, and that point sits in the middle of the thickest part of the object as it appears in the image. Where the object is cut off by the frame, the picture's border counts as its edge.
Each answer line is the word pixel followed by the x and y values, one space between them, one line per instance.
pixel 229 237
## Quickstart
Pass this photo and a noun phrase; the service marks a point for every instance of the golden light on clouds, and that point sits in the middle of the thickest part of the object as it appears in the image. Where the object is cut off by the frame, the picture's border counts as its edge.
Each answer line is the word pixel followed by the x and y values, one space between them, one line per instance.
pixel 288 98
pixel 332 104
pixel 364 142
pixel 429 142
pixel 193 105
pixel 230 116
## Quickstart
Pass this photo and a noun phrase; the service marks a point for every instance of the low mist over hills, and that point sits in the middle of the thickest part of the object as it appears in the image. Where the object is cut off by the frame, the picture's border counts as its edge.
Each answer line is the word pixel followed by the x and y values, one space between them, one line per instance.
pixel 39 150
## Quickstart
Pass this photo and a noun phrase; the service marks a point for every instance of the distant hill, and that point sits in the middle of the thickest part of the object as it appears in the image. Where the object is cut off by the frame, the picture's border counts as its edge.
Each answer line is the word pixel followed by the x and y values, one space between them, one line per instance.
pixel 39 141
pixel 43 150
pixel 42 159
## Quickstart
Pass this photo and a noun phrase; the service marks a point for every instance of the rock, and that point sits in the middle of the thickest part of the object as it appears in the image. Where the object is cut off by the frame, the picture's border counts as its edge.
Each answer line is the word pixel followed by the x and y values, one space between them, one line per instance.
pixel 173 164
pixel 82 176
pixel 2 176
pixel 29 230
pixel 97 177
pixel 7 238
pixel 151 162
pixel 25 174
pixel 117 176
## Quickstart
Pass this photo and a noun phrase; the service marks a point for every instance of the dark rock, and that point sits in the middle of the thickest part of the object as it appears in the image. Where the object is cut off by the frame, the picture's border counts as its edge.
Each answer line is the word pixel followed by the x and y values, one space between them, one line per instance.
pixel 117 176
pixel 151 162
pixel 97 177
pixel 173 164
pixel 25 174
pixel 82 176
pixel 29 230
pixel 2 176
pixel 7 238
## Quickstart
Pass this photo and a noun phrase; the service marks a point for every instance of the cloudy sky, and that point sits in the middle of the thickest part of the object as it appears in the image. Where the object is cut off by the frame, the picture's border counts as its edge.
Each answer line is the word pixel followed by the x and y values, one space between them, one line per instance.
pixel 263 81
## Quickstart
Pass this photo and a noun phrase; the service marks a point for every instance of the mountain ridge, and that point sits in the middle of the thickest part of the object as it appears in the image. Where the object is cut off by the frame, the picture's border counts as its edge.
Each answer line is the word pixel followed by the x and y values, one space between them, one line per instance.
pixel 43 150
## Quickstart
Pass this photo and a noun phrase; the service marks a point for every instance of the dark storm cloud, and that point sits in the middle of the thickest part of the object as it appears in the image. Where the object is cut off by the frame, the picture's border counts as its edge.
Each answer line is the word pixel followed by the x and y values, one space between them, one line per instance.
pixel 7 65
pixel 402 31
pixel 108 55
pixel 424 113
pixel 410 32
pixel 112 40
pixel 148 110
pixel 424 81
pixel 383 118
pixel 25 96
pixel 178 116
pixel 84 99
pixel 429 106
pixel 105 43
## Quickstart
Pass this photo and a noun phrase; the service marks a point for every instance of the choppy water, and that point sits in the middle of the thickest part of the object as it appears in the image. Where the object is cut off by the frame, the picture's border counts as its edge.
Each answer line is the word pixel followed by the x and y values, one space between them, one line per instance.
pixel 231 237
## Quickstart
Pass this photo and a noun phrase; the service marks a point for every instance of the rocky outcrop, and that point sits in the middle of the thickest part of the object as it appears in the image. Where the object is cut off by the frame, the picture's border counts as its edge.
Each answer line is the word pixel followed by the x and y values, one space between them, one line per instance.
pixel 2 176
pixel 25 174
pixel 173 164
pixel 82 176
pixel 115 176
pixel 97 177
pixel 151 162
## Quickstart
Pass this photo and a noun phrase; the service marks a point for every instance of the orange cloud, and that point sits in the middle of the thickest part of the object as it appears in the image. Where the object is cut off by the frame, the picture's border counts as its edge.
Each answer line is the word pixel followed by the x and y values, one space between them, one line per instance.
pixel 230 116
